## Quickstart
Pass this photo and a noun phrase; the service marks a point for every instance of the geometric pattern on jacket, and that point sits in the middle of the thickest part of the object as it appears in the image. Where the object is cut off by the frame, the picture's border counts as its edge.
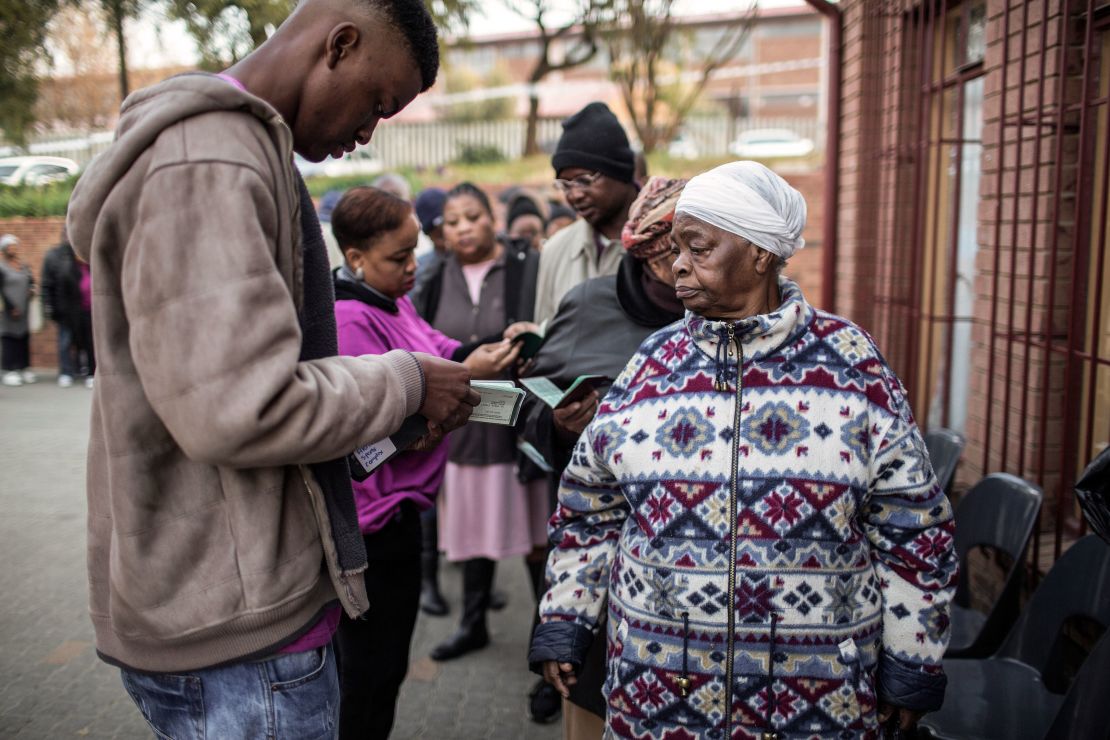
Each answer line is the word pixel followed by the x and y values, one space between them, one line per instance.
pixel 842 566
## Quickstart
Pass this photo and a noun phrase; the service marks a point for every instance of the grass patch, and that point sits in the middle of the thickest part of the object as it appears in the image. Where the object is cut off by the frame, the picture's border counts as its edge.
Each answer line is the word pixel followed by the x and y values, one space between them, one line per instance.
pixel 536 171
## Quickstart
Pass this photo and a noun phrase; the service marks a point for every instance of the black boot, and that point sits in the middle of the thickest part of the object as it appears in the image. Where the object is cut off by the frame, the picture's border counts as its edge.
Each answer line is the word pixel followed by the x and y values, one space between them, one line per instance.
pixel 431 600
pixel 472 633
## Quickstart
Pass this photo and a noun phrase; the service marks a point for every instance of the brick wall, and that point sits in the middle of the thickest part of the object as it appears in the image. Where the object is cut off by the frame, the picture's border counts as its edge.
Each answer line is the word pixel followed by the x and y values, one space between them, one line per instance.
pixel 1017 219
pixel 38 235
pixel 1026 219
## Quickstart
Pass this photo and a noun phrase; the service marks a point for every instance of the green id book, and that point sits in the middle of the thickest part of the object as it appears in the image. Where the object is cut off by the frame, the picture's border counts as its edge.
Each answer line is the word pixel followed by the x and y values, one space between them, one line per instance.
pixel 555 397
pixel 500 404
pixel 530 344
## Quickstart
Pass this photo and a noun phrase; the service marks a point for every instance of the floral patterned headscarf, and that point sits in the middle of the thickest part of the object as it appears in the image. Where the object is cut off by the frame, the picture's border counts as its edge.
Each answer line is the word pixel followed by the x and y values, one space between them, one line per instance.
pixel 646 234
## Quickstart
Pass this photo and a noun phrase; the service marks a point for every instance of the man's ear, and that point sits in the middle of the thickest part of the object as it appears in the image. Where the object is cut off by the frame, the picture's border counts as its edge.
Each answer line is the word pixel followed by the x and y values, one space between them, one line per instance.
pixel 341 42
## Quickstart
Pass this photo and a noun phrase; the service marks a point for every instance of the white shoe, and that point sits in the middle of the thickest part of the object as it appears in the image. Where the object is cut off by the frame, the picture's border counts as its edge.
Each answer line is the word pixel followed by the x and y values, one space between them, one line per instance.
pixel 13 379
pixel 89 383
pixel 29 377
pixel 65 381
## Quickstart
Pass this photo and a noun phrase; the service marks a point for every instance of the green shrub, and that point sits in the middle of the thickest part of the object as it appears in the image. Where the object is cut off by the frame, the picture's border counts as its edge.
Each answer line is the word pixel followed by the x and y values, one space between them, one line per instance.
pixel 480 154
pixel 35 202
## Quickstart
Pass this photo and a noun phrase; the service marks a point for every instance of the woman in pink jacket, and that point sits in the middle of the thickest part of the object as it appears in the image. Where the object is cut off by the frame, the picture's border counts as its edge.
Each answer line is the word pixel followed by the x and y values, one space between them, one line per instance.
pixel 377 234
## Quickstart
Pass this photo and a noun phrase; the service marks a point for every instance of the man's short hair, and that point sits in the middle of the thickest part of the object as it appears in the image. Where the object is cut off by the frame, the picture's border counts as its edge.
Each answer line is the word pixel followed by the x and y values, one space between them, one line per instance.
pixel 412 19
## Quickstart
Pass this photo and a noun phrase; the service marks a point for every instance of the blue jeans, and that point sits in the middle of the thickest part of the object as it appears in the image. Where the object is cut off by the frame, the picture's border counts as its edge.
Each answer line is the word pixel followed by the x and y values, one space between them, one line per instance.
pixel 66 364
pixel 294 697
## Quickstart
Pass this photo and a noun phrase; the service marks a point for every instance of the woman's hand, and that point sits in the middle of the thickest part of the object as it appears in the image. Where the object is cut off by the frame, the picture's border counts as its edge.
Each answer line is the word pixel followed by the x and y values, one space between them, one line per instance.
pixel 572 419
pixel 490 360
pixel 520 327
pixel 907 718
pixel 560 675
pixel 429 441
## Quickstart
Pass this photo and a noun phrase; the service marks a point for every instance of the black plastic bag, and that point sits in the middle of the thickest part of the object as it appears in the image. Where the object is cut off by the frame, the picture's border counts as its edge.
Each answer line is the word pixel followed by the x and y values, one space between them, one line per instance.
pixel 1093 492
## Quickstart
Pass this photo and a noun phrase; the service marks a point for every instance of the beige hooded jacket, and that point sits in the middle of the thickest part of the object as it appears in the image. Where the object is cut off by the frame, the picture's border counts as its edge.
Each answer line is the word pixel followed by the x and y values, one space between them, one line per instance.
pixel 208 539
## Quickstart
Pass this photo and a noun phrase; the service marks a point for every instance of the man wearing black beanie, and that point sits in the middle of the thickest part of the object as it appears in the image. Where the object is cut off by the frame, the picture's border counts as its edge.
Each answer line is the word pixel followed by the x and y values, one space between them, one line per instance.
pixel 594 167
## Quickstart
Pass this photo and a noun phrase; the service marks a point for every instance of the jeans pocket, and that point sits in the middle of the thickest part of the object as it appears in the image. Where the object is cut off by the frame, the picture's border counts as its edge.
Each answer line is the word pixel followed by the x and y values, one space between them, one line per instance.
pixel 304 688
pixel 172 705
pixel 292 670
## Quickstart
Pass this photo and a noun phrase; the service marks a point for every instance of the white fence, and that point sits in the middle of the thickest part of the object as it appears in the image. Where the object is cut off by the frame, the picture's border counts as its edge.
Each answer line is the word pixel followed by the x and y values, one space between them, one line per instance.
pixel 438 143
pixel 712 135
pixel 79 147
pixel 434 144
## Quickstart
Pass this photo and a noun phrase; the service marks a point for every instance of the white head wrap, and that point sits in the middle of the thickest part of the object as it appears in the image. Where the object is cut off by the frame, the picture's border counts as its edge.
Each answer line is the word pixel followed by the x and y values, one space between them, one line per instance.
pixel 747 199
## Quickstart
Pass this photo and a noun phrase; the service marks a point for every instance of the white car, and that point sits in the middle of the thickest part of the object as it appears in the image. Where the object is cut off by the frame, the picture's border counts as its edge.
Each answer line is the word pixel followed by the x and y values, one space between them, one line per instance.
pixel 36 170
pixel 359 162
pixel 682 147
pixel 770 143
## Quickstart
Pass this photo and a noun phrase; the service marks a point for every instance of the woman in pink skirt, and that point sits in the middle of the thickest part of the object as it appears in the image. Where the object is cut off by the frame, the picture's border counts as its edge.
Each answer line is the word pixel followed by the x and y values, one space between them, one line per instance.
pixel 482 286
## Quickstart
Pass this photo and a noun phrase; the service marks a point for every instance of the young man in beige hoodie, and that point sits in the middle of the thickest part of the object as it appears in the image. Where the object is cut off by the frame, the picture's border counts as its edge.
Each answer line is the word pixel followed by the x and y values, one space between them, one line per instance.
pixel 222 536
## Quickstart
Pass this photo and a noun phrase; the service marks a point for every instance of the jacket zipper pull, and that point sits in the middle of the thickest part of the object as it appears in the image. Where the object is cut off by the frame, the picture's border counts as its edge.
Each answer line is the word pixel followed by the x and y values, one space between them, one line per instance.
pixel 684 680
pixel 720 382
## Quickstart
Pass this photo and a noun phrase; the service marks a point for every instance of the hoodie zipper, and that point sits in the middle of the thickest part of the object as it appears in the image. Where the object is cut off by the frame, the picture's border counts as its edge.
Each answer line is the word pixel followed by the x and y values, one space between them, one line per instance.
pixel 732 505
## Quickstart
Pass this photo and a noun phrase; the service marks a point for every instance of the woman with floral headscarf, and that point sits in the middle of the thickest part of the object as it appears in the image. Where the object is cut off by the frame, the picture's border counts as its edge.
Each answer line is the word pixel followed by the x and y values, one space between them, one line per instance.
pixel 598 327
pixel 752 507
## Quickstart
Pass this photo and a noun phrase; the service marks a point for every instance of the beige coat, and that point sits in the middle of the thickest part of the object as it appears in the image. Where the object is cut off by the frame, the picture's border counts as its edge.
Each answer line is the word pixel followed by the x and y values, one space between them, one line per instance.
pixel 570 258
pixel 208 536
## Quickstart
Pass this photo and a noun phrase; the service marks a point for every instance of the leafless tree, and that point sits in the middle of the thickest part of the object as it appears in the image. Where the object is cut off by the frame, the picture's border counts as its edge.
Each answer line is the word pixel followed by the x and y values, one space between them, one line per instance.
pixel 660 69
pixel 581 24
pixel 76 95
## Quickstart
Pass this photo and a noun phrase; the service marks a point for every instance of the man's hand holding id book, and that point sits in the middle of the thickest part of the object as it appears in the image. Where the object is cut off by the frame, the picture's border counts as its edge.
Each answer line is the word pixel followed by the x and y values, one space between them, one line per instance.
pixel 500 404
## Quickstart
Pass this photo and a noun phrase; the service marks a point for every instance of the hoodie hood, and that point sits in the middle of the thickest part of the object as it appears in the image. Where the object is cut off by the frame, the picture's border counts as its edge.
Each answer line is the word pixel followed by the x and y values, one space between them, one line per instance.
pixel 143 117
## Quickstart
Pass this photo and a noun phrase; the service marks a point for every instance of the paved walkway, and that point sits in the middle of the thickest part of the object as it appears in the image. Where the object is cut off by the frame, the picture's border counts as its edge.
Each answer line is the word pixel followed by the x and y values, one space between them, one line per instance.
pixel 53 686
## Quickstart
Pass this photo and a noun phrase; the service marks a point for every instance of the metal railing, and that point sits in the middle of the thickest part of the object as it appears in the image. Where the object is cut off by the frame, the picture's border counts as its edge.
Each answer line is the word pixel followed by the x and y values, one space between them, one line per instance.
pixel 1034 162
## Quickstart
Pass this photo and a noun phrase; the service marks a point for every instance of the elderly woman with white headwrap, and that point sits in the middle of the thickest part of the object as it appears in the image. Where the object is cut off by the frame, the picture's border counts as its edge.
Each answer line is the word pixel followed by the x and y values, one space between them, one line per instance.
pixel 752 511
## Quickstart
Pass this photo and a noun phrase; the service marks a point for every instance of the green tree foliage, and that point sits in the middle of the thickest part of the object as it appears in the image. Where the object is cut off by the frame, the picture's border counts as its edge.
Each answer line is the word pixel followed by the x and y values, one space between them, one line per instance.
pixel 23 26
pixel 452 17
pixel 227 30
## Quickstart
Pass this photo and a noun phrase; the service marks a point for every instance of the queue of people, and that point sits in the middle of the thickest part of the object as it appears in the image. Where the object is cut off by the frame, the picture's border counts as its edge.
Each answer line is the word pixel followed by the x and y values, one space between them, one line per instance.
pixel 734 532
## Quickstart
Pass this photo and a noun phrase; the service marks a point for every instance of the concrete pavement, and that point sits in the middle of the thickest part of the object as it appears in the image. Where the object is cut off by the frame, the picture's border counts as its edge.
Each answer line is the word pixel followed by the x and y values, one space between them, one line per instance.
pixel 53 686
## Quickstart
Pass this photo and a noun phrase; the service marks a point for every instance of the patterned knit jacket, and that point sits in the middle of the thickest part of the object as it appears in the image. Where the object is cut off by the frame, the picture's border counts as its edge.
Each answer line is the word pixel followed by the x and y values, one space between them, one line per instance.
pixel 842 565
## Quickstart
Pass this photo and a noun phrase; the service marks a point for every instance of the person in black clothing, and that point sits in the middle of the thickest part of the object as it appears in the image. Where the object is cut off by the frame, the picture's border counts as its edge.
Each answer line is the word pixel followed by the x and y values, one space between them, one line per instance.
pixel 599 325
pixel 525 221
pixel 378 238
pixel 61 303
pixel 484 284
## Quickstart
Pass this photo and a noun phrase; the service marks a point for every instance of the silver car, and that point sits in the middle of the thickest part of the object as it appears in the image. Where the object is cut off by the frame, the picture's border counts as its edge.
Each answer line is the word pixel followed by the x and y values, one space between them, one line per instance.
pixel 36 170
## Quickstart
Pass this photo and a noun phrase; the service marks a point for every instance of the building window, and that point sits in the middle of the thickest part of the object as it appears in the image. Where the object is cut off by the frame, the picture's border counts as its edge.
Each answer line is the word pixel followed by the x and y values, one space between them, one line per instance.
pixel 1094 411
pixel 950 201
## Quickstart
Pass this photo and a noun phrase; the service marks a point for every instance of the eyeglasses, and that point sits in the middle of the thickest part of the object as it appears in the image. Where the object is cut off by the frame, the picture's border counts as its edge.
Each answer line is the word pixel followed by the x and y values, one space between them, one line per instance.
pixel 579 183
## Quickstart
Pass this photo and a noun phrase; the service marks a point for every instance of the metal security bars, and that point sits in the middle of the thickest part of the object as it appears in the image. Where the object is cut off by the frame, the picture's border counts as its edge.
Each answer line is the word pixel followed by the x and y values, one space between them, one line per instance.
pixel 986 139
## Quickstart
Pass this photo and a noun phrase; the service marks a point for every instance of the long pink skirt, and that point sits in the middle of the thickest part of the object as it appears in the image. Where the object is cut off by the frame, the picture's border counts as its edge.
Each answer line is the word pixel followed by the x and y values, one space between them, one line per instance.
pixel 485 512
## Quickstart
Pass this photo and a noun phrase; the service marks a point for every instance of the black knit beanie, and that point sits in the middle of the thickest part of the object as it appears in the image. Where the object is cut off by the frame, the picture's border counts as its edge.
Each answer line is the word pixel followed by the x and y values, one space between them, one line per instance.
pixel 523 205
pixel 594 139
